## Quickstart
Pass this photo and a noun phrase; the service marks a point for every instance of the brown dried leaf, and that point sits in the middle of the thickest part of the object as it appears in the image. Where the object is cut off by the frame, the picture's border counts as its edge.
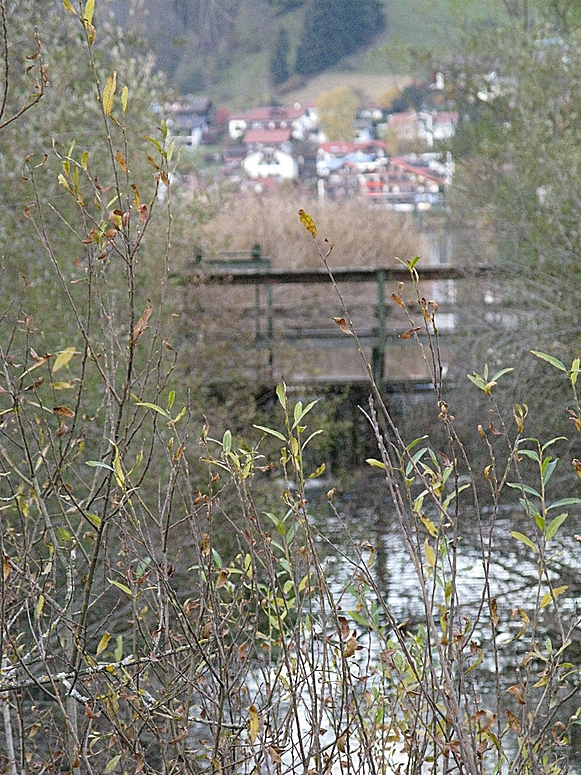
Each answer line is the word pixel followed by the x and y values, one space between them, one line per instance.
pixel 63 411
pixel 494 611
pixel 344 627
pixel 141 324
pixel 222 579
pixel 398 300
pixel 6 567
pixel 120 159
pixel 351 646
pixel 274 755
pixel 143 214
pixel 513 721
pixel 518 692
pixel 342 323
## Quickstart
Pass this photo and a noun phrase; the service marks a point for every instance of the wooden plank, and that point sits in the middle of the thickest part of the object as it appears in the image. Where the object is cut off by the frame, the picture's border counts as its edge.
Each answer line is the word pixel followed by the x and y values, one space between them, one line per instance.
pixel 245 276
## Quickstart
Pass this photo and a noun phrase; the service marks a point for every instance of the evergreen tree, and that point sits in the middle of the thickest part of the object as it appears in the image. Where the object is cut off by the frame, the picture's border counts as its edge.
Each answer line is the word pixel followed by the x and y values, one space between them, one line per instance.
pixel 333 29
pixel 279 61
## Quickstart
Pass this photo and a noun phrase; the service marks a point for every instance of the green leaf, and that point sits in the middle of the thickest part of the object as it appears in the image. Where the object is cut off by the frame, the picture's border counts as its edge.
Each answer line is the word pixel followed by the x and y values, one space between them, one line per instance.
pixel 281 395
pixel 120 586
pixel 555 524
pixel 375 463
pixel 564 502
pixel 155 408
pixel 477 380
pixel 415 442
pixel 547 468
pixel 413 262
pixel 530 453
pixel 525 539
pixel 64 533
pixel 524 488
pixel 124 96
pixel 501 373
pixel 99 464
pixel 170 399
pixel 312 436
pixel 549 358
pixel 270 431
pixel 299 412
pixel 227 442
pixel 549 443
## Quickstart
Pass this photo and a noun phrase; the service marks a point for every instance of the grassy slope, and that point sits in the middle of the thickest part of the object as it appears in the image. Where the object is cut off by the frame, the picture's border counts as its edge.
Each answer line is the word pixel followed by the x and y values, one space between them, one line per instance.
pixel 423 24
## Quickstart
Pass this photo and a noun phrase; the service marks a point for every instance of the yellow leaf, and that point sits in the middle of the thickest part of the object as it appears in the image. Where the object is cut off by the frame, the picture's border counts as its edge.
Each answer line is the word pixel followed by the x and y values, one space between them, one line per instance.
pixel 112 763
pixel 39 605
pixel 89 11
pixel 308 222
pixel 124 96
pixel 342 323
pixel 253 713
pixel 109 93
pixel 430 527
pixel 68 7
pixel 63 357
pixel 64 182
pixel 549 597
pixel 6 568
pixel 430 554
pixel 103 643
pixel 91 33
pixel 120 159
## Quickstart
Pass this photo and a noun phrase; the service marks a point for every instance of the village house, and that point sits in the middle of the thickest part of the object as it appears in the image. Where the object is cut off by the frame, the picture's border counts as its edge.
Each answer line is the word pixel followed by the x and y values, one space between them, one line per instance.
pixel 255 139
pixel 301 121
pixel 366 156
pixel 270 163
pixel 190 120
pixel 426 127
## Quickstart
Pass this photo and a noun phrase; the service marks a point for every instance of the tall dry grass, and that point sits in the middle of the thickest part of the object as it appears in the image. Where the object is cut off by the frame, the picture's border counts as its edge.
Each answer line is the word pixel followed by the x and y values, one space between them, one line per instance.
pixel 363 235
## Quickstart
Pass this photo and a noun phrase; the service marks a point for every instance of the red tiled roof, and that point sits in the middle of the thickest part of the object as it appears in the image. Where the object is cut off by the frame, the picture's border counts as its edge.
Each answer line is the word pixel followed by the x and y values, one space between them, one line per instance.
pixel 422 172
pixel 267 136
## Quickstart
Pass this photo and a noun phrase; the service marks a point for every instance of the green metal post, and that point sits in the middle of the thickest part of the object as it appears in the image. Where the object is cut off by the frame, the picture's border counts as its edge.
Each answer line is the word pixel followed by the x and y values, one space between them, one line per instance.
pixel 378 354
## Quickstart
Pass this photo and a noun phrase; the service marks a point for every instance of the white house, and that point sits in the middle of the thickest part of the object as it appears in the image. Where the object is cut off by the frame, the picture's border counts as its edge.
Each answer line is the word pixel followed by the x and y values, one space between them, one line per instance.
pixel 271 163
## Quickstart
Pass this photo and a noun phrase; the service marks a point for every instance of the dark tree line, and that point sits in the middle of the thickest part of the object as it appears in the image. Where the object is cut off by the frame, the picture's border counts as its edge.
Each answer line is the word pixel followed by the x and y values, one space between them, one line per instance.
pixel 332 29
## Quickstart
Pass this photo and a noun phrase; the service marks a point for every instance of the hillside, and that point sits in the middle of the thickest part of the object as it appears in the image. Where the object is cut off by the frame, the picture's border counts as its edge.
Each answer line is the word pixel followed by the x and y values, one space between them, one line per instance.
pixel 227 48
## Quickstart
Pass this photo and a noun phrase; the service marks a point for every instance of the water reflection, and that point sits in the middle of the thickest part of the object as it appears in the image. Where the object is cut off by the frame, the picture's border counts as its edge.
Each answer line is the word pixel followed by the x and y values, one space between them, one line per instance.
pixel 367 515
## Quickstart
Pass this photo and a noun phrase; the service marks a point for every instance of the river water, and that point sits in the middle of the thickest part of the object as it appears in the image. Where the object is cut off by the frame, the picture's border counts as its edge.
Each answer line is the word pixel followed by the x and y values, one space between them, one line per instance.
pixel 366 515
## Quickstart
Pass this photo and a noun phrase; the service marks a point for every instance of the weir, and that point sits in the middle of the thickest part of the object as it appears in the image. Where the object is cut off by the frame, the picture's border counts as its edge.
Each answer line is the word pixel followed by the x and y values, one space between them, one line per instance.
pixel 295 323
